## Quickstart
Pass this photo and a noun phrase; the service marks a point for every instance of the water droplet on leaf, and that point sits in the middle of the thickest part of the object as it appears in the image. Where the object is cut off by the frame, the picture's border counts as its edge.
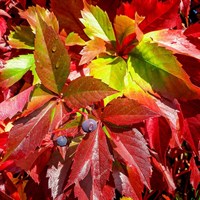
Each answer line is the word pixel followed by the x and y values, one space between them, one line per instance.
pixel 57 65
pixel 53 49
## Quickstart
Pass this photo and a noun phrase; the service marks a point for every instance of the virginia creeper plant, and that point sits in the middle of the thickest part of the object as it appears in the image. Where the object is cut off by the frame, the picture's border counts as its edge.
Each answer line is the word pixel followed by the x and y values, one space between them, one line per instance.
pixel 99 99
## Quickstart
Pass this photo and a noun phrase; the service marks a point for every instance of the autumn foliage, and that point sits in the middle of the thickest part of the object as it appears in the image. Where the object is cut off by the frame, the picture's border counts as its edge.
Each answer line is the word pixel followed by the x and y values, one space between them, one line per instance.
pixel 133 66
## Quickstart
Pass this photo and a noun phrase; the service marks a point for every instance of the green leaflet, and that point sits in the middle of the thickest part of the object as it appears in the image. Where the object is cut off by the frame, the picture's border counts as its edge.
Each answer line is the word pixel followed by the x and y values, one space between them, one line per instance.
pixel 16 68
pixel 97 23
pixel 158 67
pixel 21 38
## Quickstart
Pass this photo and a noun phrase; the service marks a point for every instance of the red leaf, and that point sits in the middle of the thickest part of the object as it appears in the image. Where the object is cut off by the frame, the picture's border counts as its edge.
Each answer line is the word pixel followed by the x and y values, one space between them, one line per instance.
pixel 84 91
pixel 124 111
pixel 10 107
pixel 92 153
pixel 195 174
pixel 166 175
pixel 3 27
pixel 126 187
pixel 132 147
pixel 193 30
pixel 68 14
pixel 28 133
pixel 158 14
pixel 159 135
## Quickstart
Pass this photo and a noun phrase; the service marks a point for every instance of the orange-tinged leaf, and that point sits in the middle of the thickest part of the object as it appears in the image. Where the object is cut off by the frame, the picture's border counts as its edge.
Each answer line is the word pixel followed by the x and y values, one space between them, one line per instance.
pixel 32 13
pixel 92 49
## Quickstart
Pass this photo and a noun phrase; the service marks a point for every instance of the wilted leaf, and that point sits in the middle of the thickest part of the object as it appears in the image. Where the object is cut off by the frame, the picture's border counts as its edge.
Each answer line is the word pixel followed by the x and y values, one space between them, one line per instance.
pixel 132 147
pixel 12 106
pixel 92 154
pixel 21 38
pixel 52 59
pixel 84 91
pixel 15 69
pixel 159 68
pixel 97 23
pixel 124 111
pixel 28 133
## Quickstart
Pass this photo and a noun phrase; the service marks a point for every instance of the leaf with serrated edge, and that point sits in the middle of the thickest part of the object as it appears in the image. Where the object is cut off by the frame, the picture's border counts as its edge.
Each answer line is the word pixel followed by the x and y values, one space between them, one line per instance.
pixel 132 147
pixel 84 91
pixel 124 111
pixel 74 39
pixel 92 153
pixel 97 23
pixel 28 133
pixel 159 68
pixel 32 13
pixel 92 49
pixel 52 59
pixel 21 38
pixel 12 106
pixel 173 40
pixel 15 69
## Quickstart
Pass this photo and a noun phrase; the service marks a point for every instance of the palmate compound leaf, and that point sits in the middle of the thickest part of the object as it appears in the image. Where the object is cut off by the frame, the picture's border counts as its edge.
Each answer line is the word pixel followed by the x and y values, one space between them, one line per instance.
pixel 124 111
pixel 52 59
pixel 159 68
pixel 92 157
pixel 84 91
pixel 97 23
pixel 28 133
pixel 15 69
pixel 132 147
pixel 12 106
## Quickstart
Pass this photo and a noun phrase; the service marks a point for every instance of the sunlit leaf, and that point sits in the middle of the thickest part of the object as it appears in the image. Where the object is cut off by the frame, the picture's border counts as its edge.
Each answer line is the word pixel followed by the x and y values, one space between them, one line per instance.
pixel 15 69
pixel 84 91
pixel 52 59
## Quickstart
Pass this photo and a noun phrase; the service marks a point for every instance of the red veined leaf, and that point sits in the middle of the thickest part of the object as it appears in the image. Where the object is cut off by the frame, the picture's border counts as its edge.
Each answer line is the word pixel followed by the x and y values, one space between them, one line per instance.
pixel 84 91
pixel 124 111
pixel 132 147
pixel 12 106
pixel 28 133
pixel 52 59
pixel 159 135
pixel 92 156
pixel 175 41
pixel 158 14
pixel 166 174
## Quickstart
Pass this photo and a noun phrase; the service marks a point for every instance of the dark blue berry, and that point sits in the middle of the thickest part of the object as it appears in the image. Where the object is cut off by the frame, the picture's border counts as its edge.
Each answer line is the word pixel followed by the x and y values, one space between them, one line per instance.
pixel 61 141
pixel 89 125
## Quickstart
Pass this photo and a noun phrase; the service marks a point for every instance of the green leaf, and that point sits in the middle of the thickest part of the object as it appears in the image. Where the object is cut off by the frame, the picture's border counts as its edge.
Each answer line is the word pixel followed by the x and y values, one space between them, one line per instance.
pixel 84 91
pixel 158 67
pixel 52 59
pixel 74 39
pixel 111 70
pixel 15 69
pixel 21 38
pixel 97 23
